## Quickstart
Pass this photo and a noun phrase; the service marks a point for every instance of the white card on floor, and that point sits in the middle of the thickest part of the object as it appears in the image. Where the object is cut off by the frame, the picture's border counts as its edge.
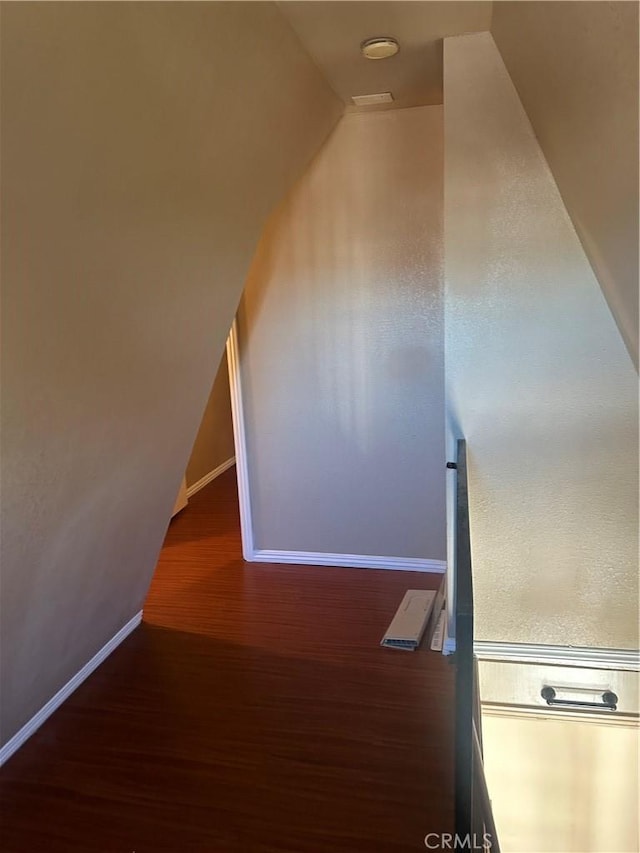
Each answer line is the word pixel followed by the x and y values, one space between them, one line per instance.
pixel 407 626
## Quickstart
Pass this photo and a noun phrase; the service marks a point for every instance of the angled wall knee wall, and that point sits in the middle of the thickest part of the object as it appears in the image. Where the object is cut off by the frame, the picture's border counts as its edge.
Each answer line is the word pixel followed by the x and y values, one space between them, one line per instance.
pixel 538 380
pixel 143 147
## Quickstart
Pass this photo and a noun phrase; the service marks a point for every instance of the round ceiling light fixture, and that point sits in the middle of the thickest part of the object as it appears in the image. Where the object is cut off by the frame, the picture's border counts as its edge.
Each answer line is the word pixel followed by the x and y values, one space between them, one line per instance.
pixel 379 48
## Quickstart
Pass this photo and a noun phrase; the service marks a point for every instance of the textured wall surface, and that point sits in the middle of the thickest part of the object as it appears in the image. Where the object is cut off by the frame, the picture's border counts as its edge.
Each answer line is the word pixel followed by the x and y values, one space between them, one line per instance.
pixel 341 336
pixel 214 441
pixel 575 66
pixel 538 381
pixel 143 145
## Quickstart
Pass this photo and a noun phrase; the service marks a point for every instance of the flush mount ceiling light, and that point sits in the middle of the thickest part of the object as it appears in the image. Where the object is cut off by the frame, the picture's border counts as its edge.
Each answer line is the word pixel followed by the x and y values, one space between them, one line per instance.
pixel 379 48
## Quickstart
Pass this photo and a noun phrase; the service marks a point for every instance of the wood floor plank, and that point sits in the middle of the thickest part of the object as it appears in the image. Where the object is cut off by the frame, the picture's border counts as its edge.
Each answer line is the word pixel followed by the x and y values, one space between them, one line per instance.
pixel 253 711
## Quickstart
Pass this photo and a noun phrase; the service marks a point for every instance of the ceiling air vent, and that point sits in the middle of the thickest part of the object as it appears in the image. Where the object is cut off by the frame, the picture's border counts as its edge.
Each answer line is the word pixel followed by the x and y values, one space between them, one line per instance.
pixel 369 100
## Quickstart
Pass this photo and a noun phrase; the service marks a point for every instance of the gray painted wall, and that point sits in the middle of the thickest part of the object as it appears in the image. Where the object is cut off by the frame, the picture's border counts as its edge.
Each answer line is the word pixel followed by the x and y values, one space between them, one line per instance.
pixel 143 146
pixel 538 381
pixel 341 340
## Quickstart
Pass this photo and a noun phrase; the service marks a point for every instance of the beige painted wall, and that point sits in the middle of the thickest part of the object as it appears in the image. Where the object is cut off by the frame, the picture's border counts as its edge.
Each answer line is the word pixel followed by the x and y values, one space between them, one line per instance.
pixel 538 381
pixel 561 782
pixel 143 145
pixel 214 441
pixel 575 66
pixel 341 343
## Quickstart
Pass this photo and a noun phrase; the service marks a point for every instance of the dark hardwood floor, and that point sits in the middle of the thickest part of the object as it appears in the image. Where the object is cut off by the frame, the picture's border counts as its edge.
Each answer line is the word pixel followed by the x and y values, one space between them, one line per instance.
pixel 253 711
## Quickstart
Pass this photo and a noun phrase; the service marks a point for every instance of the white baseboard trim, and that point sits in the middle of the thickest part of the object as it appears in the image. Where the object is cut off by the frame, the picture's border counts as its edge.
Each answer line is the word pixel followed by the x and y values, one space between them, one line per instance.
pixel 350 561
pixel 204 481
pixel 38 719
pixel 621 659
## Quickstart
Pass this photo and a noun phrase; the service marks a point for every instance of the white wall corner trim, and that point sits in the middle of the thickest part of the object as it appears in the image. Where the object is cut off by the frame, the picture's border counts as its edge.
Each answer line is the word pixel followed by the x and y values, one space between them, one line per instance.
pixel 204 481
pixel 351 561
pixel 54 703
pixel 240 441
pixel 594 658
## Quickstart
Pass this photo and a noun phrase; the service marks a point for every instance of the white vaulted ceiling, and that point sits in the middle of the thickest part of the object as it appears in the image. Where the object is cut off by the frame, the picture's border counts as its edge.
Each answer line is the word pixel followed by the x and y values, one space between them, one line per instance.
pixel 332 33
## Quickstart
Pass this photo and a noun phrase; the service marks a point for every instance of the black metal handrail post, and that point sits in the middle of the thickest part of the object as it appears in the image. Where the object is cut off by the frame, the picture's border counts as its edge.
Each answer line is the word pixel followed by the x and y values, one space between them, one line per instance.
pixel 473 815
pixel 464 654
